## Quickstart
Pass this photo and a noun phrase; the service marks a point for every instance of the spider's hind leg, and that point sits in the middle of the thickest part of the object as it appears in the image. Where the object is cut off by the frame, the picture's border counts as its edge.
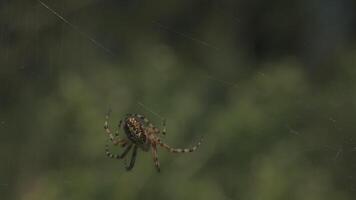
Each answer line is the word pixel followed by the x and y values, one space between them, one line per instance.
pixel 164 127
pixel 155 157
pixel 178 150
pixel 133 159
pixel 149 124
pixel 117 156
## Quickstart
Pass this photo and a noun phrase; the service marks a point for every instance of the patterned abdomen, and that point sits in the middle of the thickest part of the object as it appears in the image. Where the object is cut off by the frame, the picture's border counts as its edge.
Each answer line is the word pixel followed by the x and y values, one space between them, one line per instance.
pixel 135 131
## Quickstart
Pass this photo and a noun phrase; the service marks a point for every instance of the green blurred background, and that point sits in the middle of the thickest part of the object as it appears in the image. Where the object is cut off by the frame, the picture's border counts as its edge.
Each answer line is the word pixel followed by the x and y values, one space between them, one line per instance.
pixel 269 84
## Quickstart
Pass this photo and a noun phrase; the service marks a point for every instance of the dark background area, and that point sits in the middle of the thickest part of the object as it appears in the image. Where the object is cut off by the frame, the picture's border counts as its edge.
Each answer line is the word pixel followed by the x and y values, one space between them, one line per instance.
pixel 270 85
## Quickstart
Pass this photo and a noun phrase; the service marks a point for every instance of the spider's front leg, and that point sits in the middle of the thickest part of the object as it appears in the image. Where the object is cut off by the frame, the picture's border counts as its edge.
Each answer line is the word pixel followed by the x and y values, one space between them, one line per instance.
pixel 113 137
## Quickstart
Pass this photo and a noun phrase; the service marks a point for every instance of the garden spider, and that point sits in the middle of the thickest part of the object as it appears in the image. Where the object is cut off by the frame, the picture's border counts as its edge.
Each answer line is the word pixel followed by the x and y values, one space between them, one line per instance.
pixel 140 133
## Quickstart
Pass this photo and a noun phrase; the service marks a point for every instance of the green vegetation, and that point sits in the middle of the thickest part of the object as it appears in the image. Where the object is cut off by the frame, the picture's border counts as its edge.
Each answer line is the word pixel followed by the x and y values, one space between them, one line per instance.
pixel 270 85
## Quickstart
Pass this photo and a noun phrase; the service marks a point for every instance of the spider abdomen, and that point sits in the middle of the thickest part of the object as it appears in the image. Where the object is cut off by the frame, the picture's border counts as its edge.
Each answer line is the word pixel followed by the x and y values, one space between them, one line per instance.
pixel 136 132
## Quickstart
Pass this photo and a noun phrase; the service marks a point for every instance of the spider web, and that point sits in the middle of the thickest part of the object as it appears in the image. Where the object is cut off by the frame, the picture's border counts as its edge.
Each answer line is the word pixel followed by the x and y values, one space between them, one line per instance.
pixel 271 124
pixel 99 45
pixel 336 153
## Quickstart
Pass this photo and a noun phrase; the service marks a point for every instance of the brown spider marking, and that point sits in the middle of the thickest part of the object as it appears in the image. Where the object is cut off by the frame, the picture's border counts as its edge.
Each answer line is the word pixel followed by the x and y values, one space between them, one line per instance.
pixel 140 133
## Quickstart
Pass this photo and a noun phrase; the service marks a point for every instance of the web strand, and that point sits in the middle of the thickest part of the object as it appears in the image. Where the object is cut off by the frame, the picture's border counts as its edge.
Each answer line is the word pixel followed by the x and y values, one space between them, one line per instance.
pixel 76 28
pixel 202 42
pixel 149 110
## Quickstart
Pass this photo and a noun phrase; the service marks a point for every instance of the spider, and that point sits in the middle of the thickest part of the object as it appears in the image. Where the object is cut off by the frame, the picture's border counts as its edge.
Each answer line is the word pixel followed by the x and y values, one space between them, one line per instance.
pixel 140 133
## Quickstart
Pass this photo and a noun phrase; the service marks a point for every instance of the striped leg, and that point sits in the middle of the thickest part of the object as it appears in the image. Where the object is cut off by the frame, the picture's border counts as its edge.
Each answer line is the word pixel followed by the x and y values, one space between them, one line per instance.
pixel 108 131
pixel 155 157
pixel 118 128
pixel 164 127
pixel 147 123
pixel 117 156
pixel 156 130
pixel 133 159
pixel 177 150
pixel 143 118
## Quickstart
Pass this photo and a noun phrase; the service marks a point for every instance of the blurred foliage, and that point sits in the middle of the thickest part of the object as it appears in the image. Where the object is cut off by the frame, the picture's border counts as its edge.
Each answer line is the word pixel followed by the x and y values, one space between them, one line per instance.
pixel 269 84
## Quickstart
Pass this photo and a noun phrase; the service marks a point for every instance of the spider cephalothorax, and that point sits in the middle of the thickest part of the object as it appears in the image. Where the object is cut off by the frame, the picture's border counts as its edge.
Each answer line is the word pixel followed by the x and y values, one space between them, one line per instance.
pixel 140 133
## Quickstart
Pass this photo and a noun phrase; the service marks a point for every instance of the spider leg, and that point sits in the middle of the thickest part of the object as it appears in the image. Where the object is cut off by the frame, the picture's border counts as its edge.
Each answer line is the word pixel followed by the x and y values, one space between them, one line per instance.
pixel 156 130
pixel 117 156
pixel 133 159
pixel 164 127
pixel 108 131
pixel 149 124
pixel 146 122
pixel 143 118
pixel 178 150
pixel 118 128
pixel 155 157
